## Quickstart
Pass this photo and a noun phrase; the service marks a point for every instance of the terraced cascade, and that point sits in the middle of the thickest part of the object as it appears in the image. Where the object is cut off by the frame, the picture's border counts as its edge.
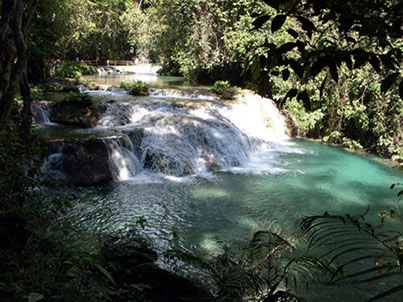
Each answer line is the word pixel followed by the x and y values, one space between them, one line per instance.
pixel 206 173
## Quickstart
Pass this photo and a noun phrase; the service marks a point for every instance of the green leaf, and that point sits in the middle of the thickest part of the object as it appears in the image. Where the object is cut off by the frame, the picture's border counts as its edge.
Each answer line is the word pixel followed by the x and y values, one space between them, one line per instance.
pixel 333 71
pixel 293 33
pixel 387 61
pixel 374 61
pixel 387 293
pixel 298 69
pixel 388 82
pixel 105 272
pixel 277 22
pixel 307 25
pixel 34 297
pixel 401 89
pixel 287 47
pixel 286 74
pixel 258 23
pixel 317 66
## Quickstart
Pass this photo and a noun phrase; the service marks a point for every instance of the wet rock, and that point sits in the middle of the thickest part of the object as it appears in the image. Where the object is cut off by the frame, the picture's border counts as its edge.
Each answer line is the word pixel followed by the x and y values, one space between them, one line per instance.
pixel 86 162
pixel 166 163
pixel 77 113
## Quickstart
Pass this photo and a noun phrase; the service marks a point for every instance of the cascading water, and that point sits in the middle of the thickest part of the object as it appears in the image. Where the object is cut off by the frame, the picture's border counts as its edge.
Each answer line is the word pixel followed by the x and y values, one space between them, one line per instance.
pixel 122 161
pixel 41 113
pixel 167 135
pixel 190 136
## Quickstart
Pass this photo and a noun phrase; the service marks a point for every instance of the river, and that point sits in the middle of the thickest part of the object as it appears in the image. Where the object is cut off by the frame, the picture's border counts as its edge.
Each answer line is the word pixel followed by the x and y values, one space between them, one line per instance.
pixel 274 187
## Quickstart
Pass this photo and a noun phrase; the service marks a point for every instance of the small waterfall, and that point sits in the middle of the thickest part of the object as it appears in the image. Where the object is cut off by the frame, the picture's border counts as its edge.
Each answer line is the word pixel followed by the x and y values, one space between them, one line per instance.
pixel 257 117
pixel 41 113
pixel 122 160
pixel 52 167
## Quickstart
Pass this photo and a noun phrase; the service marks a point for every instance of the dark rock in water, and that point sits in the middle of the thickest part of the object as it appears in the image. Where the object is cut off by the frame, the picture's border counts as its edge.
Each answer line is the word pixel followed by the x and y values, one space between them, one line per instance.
pixel 168 287
pixel 86 161
pixel 163 162
pixel 77 113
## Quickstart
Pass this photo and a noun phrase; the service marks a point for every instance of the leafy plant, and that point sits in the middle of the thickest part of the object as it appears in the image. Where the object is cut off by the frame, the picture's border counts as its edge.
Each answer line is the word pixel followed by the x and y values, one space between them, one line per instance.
pixel 362 252
pixel 82 99
pixel 124 85
pixel 224 90
pixel 74 71
pixel 266 269
pixel 139 88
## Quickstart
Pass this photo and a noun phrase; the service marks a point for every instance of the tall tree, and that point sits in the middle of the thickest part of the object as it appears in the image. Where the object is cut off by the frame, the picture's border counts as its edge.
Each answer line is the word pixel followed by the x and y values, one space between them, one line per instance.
pixel 15 18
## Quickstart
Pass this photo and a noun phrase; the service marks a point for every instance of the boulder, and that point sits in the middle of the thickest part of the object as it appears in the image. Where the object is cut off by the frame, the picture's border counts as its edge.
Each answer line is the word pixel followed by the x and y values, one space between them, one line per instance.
pixel 86 162
pixel 76 113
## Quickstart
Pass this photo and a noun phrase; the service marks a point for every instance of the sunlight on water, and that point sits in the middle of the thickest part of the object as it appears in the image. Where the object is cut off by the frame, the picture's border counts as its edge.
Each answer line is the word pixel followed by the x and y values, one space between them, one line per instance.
pixel 223 172
pixel 209 213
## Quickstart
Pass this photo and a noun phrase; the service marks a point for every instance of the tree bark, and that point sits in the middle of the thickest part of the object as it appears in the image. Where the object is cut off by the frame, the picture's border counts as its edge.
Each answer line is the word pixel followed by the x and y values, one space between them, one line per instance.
pixel 14 55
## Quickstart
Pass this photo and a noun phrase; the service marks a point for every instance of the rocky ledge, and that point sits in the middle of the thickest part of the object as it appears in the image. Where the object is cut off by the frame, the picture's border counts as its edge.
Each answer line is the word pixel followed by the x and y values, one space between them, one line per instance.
pixel 83 161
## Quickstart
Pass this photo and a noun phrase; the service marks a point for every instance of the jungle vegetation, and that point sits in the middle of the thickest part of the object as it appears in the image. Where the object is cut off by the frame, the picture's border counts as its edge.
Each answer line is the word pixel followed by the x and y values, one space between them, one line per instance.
pixel 335 65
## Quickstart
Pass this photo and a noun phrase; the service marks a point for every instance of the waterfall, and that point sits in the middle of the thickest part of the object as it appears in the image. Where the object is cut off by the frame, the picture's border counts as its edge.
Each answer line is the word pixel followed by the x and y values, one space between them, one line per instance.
pixel 189 136
pixel 192 136
pixel 257 117
pixel 122 160
pixel 41 113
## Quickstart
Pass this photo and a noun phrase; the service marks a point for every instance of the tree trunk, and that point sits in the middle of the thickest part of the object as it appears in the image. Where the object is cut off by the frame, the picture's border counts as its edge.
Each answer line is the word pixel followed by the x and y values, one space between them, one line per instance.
pixel 14 55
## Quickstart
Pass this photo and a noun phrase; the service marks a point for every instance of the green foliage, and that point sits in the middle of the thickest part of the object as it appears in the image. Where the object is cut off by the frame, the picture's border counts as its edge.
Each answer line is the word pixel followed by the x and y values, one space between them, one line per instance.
pixel 362 252
pixel 330 35
pixel 74 71
pixel 124 85
pixel 224 90
pixel 37 93
pixel 204 40
pixel 354 109
pixel 335 75
pixel 138 88
pixel 266 269
pixel 81 99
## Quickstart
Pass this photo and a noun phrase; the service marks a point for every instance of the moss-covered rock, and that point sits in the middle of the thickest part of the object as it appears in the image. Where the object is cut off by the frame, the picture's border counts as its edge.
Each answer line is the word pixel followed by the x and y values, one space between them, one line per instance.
pixel 77 109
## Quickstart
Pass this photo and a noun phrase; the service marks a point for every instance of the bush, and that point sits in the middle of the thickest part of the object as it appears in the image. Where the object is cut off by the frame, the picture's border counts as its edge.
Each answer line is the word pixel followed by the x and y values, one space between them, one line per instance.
pixel 224 90
pixel 137 88
pixel 74 71
pixel 81 99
